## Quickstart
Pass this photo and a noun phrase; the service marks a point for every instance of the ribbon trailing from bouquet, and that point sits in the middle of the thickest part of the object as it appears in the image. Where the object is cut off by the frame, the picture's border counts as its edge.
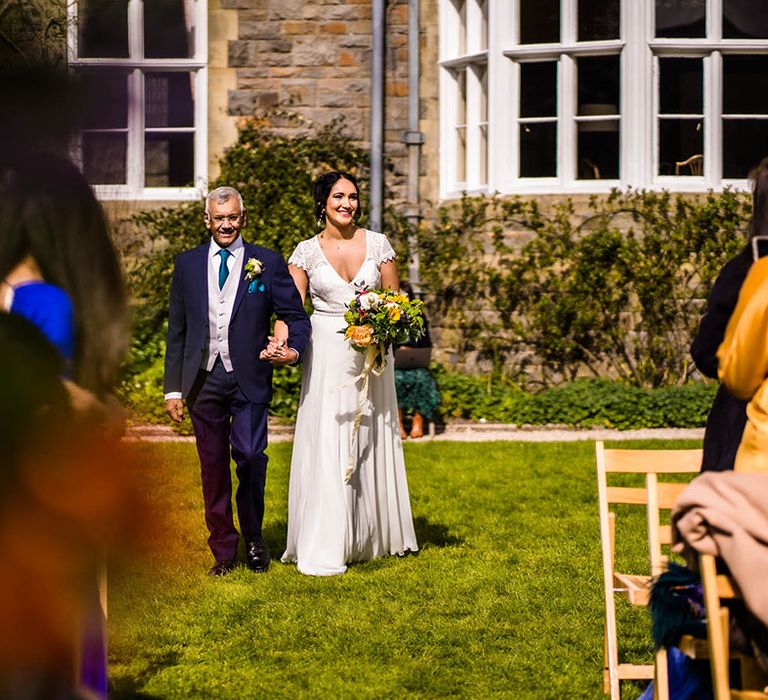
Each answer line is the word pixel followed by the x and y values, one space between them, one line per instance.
pixel 371 365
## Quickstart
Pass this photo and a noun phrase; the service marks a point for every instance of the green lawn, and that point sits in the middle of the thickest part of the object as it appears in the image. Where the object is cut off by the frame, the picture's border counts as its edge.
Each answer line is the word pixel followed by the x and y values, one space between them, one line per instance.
pixel 504 599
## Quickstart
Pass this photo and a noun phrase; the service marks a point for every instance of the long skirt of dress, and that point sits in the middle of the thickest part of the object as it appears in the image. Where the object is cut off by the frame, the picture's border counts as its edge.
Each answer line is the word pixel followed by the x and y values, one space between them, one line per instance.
pixel 330 522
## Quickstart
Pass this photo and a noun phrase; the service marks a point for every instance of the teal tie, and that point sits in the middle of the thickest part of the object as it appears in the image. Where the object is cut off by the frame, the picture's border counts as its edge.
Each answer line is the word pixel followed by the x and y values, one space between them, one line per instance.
pixel 223 270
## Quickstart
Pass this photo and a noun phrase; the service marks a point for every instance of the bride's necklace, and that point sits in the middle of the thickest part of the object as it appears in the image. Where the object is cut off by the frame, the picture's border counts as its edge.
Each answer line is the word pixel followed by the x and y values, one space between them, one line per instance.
pixel 337 243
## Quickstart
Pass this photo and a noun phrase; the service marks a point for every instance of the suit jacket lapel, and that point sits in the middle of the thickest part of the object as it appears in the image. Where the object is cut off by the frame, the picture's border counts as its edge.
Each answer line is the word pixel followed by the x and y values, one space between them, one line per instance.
pixel 200 277
pixel 242 285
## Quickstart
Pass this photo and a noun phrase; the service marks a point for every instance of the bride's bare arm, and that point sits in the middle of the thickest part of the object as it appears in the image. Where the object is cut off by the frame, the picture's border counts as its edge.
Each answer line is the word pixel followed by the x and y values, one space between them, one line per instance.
pixel 301 281
pixel 389 278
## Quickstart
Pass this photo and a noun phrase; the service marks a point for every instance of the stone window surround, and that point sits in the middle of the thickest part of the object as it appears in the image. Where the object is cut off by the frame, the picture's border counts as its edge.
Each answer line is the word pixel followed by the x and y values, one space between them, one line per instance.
pixel 136 64
pixel 639 52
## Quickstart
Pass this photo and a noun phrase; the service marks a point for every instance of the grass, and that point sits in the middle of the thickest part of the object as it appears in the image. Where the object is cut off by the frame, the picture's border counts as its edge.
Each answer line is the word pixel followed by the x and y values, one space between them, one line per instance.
pixel 503 600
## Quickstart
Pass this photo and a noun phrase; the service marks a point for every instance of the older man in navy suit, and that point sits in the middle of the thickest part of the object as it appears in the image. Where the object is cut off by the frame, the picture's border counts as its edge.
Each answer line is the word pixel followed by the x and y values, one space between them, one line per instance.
pixel 219 358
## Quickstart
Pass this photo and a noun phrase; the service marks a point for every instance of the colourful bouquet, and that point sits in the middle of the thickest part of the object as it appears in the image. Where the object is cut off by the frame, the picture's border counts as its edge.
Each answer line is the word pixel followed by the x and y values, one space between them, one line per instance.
pixel 376 319
pixel 379 318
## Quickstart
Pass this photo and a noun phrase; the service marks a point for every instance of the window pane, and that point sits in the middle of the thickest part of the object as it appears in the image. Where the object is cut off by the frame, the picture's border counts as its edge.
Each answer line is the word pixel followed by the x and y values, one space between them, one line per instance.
pixel 598 156
pixel 168 29
pixel 461 8
pixel 745 19
pixel 461 126
pixel 679 139
pixel 483 24
pixel 539 21
pixel 538 150
pixel 681 86
pixel 681 18
pixel 598 19
pixel 538 89
pixel 104 158
pixel 169 100
pixel 461 154
pixel 745 84
pixel 598 85
pixel 102 28
pixel 745 141
pixel 169 160
pixel 483 79
pixel 106 97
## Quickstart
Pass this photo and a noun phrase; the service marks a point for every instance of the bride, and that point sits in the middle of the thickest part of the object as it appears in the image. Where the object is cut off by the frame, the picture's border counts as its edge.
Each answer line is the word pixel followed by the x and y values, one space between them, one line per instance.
pixel 331 522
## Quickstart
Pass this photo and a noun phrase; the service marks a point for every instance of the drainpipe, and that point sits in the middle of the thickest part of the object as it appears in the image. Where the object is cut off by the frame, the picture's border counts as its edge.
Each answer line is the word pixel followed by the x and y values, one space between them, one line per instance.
pixel 377 116
pixel 413 138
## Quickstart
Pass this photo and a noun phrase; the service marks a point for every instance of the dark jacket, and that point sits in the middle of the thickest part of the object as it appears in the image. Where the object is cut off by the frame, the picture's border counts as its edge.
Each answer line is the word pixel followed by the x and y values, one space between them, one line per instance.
pixel 249 325
pixel 727 417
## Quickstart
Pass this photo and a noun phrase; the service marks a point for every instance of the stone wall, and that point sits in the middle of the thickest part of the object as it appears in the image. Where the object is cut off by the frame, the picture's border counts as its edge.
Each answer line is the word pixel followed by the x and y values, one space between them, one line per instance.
pixel 313 57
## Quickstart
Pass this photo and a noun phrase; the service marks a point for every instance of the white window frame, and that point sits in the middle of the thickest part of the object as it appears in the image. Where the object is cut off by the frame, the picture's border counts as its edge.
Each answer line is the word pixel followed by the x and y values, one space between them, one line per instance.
pixel 136 65
pixel 639 54
pixel 472 61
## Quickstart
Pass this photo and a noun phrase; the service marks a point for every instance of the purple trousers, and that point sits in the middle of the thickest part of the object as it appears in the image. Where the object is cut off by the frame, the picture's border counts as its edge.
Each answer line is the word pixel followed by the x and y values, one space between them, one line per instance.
pixel 224 419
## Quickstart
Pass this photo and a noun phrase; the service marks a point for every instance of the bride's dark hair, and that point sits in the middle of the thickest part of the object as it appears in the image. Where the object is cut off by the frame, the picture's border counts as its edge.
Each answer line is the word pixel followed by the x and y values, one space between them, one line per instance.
pixel 322 189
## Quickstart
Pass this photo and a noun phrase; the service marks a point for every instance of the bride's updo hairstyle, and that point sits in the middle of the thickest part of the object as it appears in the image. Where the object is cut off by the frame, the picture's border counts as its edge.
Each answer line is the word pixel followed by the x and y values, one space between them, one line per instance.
pixel 758 176
pixel 322 190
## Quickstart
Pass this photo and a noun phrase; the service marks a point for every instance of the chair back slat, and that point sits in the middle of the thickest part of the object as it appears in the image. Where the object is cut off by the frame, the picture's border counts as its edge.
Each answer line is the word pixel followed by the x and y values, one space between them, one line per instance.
pixel 657 461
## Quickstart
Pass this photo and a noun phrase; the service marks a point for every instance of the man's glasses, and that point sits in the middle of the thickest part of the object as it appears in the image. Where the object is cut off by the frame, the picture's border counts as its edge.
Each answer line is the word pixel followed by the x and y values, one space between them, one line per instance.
pixel 231 218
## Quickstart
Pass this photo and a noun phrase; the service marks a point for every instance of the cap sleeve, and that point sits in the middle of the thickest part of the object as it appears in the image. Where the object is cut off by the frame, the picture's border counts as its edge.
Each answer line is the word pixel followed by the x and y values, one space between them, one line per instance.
pixel 384 250
pixel 299 256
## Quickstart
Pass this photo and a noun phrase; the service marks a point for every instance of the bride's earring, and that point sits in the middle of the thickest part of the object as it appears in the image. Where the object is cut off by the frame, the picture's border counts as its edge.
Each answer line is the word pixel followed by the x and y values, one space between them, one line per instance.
pixel 320 219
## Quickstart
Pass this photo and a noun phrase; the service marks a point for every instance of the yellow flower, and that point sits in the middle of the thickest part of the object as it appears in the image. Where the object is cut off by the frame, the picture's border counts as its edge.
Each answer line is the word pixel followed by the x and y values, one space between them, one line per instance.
pixel 394 313
pixel 362 336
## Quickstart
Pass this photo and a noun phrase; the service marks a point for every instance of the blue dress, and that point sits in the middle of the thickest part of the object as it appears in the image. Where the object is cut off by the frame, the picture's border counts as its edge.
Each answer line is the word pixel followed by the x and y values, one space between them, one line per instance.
pixel 50 309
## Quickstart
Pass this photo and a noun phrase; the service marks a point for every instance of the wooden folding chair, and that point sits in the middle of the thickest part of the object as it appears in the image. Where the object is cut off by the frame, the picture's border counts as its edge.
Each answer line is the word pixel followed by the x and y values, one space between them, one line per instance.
pixel 719 587
pixel 655 496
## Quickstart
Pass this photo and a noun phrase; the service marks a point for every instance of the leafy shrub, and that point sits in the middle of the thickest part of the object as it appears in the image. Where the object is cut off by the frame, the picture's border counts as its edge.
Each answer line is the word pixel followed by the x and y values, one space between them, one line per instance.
pixel 618 294
pixel 584 403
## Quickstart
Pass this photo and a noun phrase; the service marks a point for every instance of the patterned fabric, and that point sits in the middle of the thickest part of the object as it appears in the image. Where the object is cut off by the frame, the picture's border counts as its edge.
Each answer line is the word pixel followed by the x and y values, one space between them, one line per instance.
pixel 328 296
pixel 417 391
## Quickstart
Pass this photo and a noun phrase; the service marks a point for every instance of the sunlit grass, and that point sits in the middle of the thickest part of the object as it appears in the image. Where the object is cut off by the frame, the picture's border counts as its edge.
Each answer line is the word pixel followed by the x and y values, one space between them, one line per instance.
pixel 504 599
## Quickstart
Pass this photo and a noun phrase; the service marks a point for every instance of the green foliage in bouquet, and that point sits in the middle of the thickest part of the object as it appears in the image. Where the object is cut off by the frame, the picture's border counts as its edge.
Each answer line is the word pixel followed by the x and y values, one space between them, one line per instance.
pixel 381 318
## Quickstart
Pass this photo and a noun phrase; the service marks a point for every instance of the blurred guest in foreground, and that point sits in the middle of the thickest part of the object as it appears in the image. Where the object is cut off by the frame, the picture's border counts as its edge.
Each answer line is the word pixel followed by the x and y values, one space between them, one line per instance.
pixel 728 415
pixel 743 355
pixel 59 271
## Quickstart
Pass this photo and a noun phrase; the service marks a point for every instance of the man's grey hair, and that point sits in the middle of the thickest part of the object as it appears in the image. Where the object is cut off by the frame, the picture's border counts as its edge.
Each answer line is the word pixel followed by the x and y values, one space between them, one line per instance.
pixel 221 195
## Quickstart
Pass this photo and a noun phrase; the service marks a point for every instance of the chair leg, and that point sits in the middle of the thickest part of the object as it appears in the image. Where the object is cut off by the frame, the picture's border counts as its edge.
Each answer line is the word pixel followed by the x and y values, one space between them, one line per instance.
pixel 717 629
pixel 661 676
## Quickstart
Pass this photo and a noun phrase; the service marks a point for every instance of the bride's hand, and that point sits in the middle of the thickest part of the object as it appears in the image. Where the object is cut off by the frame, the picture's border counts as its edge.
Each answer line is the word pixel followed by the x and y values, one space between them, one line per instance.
pixel 278 353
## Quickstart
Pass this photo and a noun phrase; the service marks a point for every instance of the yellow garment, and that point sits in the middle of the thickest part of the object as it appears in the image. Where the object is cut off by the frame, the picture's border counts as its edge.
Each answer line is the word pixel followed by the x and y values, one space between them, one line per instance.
pixel 743 366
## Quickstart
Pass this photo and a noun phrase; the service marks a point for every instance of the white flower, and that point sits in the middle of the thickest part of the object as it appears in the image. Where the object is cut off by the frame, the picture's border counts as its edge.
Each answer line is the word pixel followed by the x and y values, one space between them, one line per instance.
pixel 253 268
pixel 371 300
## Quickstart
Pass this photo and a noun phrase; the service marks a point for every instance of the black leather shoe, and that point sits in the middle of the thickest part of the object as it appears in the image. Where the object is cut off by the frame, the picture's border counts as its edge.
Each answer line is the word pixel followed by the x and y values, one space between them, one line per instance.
pixel 256 556
pixel 222 568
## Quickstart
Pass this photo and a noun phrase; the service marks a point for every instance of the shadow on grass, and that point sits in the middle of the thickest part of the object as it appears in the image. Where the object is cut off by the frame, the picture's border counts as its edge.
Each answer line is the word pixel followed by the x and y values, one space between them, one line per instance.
pixel 427 533
pixel 435 534
pixel 130 686
pixel 275 535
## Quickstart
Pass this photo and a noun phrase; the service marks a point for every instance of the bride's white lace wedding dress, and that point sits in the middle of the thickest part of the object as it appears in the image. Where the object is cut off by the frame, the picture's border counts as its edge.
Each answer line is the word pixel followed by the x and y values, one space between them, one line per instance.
pixel 330 522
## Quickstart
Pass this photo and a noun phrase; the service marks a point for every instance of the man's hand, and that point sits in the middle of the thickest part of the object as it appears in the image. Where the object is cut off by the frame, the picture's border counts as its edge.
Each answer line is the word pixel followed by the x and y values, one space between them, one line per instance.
pixel 278 353
pixel 175 408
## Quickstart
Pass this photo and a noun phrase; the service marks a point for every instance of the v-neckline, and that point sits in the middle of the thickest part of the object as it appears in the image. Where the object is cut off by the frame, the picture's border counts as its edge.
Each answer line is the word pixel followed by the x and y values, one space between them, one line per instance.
pixel 338 274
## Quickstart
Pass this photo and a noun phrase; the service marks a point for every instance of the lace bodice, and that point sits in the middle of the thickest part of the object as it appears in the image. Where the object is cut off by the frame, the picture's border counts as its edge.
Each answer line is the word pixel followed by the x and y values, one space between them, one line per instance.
pixel 329 292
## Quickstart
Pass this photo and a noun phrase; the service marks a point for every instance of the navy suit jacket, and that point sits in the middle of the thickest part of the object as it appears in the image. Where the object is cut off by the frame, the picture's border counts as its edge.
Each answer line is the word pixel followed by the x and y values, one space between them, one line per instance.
pixel 249 325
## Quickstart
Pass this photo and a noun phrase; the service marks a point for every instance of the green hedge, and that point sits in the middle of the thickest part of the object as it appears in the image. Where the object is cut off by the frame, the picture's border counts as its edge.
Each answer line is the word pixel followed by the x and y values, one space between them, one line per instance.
pixel 584 403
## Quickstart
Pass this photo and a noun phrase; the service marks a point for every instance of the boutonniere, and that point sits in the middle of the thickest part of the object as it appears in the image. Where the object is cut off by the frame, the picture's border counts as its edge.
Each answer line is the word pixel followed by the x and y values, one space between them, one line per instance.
pixel 253 269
